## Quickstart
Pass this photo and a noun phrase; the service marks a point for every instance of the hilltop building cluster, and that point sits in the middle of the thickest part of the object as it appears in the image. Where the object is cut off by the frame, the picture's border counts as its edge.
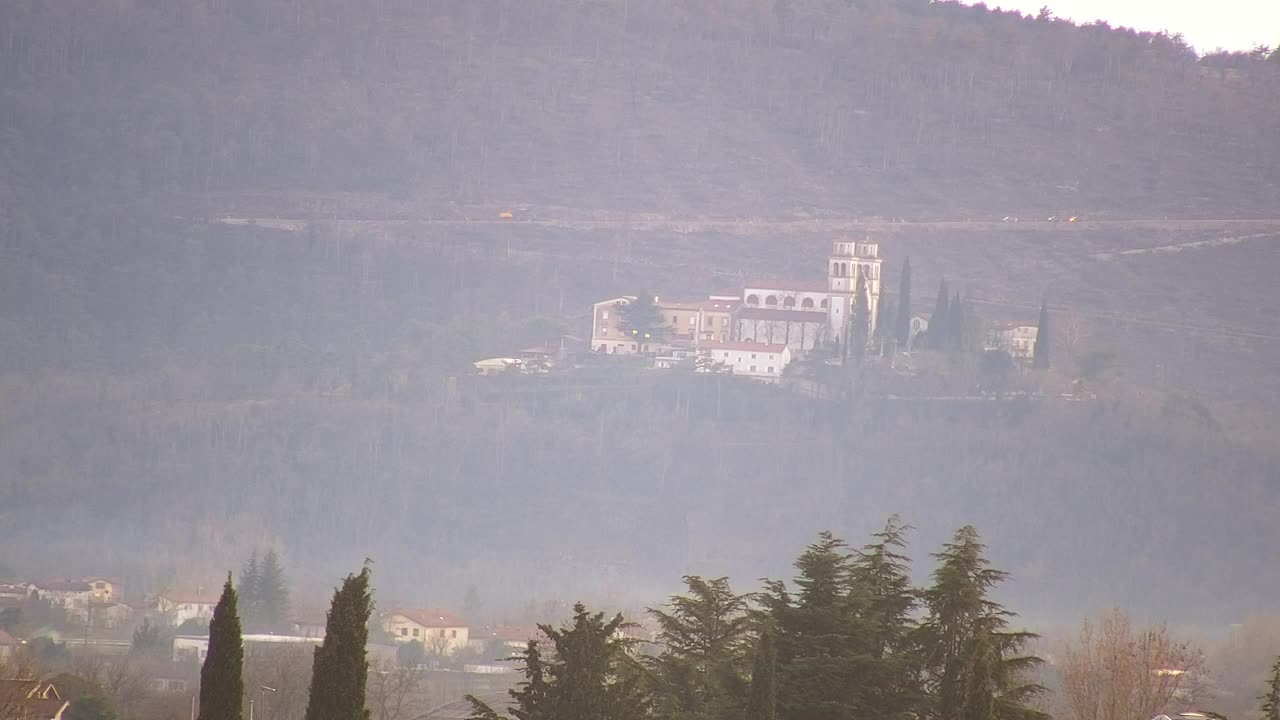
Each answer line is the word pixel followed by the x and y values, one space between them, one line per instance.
pixel 758 331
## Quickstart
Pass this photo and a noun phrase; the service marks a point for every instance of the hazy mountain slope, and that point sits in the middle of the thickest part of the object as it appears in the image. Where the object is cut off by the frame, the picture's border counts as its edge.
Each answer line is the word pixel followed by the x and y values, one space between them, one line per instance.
pixel 727 107
pixel 174 404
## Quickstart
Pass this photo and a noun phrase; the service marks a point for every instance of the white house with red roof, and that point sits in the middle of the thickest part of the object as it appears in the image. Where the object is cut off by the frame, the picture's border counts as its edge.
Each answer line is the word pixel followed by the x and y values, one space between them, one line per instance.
pixel 184 606
pixel 440 631
pixel 763 361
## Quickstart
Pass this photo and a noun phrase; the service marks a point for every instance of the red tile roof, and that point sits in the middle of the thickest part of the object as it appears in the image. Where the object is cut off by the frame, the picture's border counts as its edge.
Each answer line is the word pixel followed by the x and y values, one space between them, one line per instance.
pixel 510 633
pixel 747 346
pixel 785 285
pixel 718 304
pixel 183 598
pixel 61 585
pixel 431 617
pixel 800 316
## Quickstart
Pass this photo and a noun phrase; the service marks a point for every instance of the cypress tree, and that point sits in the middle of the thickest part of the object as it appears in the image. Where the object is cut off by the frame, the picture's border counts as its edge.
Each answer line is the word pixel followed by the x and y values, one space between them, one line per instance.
pixel 762 703
pixel 1271 699
pixel 340 670
pixel 861 318
pixel 938 321
pixel 902 326
pixel 884 334
pixel 1040 358
pixel 221 678
pixel 273 594
pixel 956 324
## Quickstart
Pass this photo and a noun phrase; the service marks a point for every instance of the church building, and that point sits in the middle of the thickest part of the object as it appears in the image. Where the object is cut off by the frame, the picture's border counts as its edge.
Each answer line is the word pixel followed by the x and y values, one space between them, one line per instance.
pixel 798 314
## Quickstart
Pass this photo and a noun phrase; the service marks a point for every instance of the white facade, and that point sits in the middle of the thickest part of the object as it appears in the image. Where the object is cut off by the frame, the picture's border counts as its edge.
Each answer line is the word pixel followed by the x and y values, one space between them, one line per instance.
pixel 1017 340
pixel 181 608
pixel 750 359
pixel 439 631
pixel 798 329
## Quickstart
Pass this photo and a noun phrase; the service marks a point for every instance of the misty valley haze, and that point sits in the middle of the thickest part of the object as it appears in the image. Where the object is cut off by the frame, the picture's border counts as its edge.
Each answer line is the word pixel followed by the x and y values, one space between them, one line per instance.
pixel 252 252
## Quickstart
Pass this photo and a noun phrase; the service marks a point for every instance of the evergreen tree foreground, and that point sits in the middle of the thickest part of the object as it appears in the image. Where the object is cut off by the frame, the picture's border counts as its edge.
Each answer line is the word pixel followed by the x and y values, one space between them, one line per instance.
pixel 221 677
pixel 340 670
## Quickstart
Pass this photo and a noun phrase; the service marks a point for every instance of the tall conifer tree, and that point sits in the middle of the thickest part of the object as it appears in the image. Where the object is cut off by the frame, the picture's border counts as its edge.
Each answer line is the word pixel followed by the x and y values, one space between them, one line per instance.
pixel 882 573
pixel 822 638
pixel 956 322
pixel 1040 358
pixel 340 671
pixel 221 677
pixel 979 698
pixel 701 671
pixel 959 609
pixel 1271 698
pixel 938 321
pixel 762 702
pixel 861 319
pixel 249 595
pixel 902 325
pixel 273 594
pixel 588 676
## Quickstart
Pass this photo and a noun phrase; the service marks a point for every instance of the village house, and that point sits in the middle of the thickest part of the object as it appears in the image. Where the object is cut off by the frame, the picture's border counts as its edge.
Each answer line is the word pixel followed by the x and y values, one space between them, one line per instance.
pixel 195 648
pixel 104 589
pixel 31 700
pixel 70 594
pixel 919 326
pixel 8 646
pixel 440 631
pixel 503 638
pixel 755 360
pixel 180 607
pixel 1017 340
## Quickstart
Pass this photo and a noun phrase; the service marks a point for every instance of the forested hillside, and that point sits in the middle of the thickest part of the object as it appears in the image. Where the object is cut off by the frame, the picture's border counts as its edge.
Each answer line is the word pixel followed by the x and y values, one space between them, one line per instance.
pixel 176 397
pixel 885 107
pixel 175 391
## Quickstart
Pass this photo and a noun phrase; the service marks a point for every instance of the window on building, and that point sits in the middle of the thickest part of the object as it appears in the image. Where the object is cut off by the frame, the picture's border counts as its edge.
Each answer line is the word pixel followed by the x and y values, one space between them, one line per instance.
pixel 453 633
pixel 693 320
pixel 753 356
pixel 806 303
pixel 675 319
pixel 789 302
pixel 753 368
pixel 770 368
pixel 604 331
pixel 753 299
pixel 771 300
pixel 415 632
pixel 404 632
pixel 824 304
pixel 604 315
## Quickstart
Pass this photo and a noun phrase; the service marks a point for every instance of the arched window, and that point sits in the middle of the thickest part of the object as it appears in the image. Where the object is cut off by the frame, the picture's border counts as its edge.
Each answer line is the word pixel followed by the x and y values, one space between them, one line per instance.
pixel 806 303
pixel 753 299
pixel 788 302
pixel 843 272
pixel 772 300
pixel 824 304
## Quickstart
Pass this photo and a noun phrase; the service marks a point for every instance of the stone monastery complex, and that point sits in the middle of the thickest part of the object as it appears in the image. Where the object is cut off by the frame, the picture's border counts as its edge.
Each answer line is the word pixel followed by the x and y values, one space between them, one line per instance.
pixel 756 332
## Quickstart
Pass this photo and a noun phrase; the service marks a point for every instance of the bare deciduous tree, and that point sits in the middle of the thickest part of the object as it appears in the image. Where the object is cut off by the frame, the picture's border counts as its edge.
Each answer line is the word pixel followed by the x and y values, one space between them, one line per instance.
pixel 1116 671
pixel 396 693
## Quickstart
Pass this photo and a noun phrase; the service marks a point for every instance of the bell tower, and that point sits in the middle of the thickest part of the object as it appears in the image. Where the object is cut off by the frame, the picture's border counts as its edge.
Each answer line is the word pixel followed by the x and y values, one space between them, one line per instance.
pixel 848 258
